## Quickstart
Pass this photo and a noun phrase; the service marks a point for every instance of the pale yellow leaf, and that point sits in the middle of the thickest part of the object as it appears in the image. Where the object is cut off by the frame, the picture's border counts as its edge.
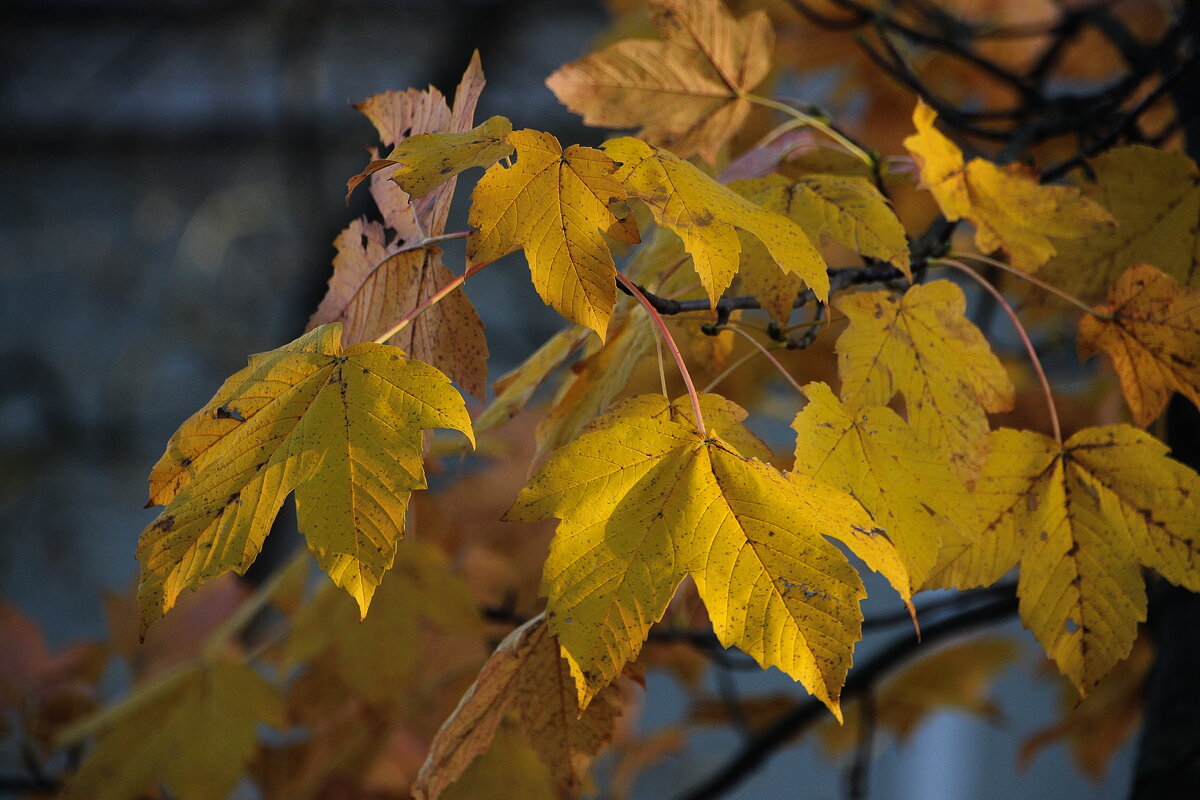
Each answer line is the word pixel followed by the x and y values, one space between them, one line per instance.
pixel 343 428
pixel 848 209
pixel 644 501
pixel 194 731
pixel 1008 207
pixel 707 215
pixel 428 160
pixel 922 345
pixel 1083 519
pixel 907 488
pixel 553 204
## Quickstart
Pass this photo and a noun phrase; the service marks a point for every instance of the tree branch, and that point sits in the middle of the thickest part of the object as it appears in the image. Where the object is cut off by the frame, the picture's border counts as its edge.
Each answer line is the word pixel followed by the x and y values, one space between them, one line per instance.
pixel 760 747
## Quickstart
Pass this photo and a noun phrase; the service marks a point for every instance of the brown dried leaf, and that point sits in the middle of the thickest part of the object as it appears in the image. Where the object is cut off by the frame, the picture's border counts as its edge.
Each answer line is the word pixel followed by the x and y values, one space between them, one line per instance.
pixel 371 290
pixel 1153 339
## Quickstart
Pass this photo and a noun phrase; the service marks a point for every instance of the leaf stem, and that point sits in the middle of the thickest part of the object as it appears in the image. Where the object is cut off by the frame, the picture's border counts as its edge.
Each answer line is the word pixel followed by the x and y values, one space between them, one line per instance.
pixel 814 122
pixel 729 370
pixel 769 355
pixel 432 301
pixel 1012 315
pixel 636 293
pixel 423 243
pixel 1038 282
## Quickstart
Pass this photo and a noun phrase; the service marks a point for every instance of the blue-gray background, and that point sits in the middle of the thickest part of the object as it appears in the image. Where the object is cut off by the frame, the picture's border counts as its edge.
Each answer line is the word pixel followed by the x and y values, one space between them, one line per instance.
pixel 173 177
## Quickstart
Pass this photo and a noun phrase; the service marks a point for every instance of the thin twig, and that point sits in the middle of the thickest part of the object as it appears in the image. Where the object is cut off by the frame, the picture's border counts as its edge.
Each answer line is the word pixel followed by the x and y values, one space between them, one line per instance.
pixel 657 319
pixel 754 752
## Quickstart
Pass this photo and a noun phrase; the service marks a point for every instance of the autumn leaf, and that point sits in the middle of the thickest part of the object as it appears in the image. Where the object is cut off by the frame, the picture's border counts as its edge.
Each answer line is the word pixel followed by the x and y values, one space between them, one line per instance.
pixel 376 283
pixel 909 490
pixel 956 677
pixel 1008 207
pixel 1082 519
pixel 553 204
pixel 707 215
pixel 1155 197
pixel 373 287
pixel 514 390
pixel 923 346
pixel 1150 328
pixel 43 690
pixel 340 427
pixel 685 92
pixel 848 209
pixel 527 677
pixel 428 160
pixel 645 501
pixel 377 656
pixel 194 730
pixel 594 382
pixel 1096 727
pixel 396 115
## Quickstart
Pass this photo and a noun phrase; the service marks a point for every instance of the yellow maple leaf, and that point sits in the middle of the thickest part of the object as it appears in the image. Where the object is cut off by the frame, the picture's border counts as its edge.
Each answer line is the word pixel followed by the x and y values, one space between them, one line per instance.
pixel 707 215
pixel 554 204
pixel 909 489
pixel 1007 206
pixel 923 346
pixel 1155 197
pixel 1082 519
pixel 373 287
pixel 848 209
pixel 428 160
pixel 528 677
pixel 194 730
pixel 396 115
pixel 340 427
pixel 645 501
pixel 687 91
pixel 1152 337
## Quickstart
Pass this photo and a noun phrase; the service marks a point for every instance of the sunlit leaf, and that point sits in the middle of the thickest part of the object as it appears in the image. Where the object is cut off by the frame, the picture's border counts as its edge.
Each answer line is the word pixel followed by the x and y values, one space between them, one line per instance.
pixel 341 427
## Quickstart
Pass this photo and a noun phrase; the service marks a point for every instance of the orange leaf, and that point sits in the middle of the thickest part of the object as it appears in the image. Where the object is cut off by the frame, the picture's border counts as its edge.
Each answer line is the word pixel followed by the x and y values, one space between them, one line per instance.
pixel 686 92
pixel 526 675
pixel 1153 339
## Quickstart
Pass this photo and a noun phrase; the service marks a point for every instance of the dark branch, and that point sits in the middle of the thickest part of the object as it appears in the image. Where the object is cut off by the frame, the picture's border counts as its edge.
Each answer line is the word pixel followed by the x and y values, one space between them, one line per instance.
pixel 760 747
pixel 839 279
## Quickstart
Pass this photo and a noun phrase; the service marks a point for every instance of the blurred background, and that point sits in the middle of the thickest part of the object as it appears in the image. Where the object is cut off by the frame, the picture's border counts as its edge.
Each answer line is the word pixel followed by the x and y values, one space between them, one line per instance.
pixel 174 175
